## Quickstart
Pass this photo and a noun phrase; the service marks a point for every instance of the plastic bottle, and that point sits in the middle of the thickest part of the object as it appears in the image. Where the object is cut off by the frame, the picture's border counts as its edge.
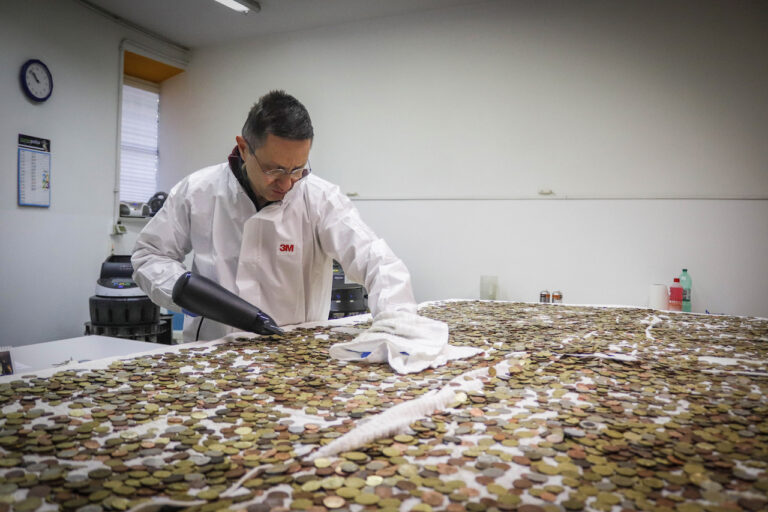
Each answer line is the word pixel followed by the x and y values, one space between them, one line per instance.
pixel 686 282
pixel 676 296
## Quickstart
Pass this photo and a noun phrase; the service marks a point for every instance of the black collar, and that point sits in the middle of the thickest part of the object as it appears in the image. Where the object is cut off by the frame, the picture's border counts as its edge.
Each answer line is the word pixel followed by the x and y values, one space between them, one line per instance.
pixel 236 166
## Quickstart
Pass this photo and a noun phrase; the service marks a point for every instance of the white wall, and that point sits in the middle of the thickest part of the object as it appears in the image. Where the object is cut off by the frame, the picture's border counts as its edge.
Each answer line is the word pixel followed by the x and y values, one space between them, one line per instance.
pixel 591 99
pixel 50 258
pixel 502 99
pixel 595 252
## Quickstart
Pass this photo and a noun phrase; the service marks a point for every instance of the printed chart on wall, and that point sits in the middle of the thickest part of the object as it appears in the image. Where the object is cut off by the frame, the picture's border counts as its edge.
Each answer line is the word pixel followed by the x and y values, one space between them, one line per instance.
pixel 34 169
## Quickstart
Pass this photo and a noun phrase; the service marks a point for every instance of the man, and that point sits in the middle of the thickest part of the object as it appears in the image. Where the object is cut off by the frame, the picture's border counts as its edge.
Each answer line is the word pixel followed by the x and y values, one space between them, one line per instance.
pixel 267 230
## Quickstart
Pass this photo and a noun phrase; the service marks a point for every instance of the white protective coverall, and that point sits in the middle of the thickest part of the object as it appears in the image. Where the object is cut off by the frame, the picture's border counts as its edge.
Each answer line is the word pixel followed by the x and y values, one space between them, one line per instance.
pixel 278 258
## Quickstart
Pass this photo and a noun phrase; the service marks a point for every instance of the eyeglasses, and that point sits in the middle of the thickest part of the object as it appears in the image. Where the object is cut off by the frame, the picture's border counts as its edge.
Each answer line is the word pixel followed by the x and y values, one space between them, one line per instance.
pixel 295 174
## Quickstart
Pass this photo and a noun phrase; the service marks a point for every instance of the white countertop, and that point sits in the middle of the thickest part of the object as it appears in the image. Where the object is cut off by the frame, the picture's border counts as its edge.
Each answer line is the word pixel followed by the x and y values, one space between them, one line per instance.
pixel 29 358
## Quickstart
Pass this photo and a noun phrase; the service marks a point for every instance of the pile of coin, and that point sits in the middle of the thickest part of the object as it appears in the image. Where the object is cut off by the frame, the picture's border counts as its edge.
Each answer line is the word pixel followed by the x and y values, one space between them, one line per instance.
pixel 600 409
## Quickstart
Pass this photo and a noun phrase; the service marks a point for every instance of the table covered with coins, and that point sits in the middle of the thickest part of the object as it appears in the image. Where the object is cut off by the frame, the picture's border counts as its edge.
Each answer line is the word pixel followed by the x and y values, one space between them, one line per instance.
pixel 568 408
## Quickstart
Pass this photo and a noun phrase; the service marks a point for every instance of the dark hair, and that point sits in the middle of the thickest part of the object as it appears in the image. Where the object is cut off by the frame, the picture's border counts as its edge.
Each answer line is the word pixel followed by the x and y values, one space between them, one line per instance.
pixel 280 114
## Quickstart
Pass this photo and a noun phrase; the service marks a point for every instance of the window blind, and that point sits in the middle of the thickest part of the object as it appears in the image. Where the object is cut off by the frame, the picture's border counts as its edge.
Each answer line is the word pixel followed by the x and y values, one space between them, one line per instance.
pixel 138 144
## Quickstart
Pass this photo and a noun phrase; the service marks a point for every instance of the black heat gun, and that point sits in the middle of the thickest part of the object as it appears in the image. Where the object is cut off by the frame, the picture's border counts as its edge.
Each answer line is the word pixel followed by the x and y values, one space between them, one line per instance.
pixel 201 296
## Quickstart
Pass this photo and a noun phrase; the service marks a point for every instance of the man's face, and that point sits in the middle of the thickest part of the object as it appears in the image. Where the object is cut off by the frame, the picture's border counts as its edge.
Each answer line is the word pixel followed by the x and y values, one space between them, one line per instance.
pixel 276 152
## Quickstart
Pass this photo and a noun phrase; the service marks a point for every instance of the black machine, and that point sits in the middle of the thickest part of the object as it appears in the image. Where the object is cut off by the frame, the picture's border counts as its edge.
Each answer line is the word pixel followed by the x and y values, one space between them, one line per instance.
pixel 121 309
pixel 347 299
pixel 141 210
pixel 156 202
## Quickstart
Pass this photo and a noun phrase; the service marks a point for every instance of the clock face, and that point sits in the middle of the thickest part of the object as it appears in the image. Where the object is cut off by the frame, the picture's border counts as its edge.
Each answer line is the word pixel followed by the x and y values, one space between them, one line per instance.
pixel 36 80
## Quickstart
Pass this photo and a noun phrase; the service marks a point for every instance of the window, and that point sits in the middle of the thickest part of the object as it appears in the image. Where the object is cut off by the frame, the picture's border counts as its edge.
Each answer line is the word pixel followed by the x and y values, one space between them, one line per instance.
pixel 138 140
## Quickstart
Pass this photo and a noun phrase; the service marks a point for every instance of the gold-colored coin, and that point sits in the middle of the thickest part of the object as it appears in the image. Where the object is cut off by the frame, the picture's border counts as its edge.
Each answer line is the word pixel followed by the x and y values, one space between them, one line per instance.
pixel 301 504
pixel 208 495
pixel 322 462
pixel 366 498
pixel 354 456
pixel 348 492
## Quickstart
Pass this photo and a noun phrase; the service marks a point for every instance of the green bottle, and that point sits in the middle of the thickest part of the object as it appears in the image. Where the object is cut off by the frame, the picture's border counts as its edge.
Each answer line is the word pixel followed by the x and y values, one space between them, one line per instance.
pixel 685 282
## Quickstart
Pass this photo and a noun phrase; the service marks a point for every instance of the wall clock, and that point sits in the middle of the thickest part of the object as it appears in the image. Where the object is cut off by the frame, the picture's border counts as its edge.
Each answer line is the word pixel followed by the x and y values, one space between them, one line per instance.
pixel 36 80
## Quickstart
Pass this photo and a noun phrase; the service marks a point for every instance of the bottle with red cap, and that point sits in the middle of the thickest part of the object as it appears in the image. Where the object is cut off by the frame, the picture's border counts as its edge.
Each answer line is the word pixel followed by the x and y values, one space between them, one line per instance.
pixel 676 296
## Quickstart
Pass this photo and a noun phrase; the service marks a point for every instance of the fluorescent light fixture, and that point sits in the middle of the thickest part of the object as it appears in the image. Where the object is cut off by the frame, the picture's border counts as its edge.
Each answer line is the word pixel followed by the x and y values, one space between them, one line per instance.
pixel 242 6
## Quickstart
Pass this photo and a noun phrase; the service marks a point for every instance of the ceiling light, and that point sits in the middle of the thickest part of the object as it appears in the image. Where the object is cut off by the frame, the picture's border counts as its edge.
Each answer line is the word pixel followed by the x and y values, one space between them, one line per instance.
pixel 242 6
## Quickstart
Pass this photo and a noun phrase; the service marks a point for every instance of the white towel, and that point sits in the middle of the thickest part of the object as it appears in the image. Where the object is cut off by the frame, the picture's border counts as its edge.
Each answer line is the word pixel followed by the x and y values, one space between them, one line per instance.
pixel 408 342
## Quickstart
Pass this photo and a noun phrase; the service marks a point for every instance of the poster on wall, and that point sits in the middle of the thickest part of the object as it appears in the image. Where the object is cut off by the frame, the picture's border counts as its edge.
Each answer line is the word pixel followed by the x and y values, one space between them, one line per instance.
pixel 34 171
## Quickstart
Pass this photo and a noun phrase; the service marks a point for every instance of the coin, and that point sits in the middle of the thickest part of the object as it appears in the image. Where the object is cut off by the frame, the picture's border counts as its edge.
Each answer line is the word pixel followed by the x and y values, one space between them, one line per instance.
pixel 322 462
pixel 366 498
pixel 28 504
pixel 334 502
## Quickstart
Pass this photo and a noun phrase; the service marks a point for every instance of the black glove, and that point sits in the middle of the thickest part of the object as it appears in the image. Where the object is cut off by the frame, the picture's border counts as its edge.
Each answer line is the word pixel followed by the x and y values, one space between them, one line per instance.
pixel 203 297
